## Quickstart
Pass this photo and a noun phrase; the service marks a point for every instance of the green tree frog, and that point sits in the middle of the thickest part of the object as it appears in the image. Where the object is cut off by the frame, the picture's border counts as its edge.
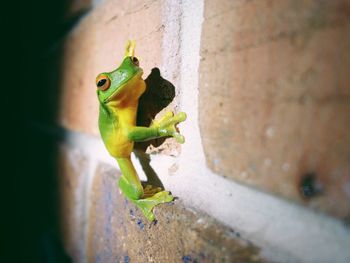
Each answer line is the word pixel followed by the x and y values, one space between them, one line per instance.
pixel 118 94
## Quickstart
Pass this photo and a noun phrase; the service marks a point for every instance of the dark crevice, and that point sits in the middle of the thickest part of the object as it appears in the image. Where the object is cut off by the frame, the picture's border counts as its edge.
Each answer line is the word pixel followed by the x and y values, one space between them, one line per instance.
pixel 158 95
pixel 310 186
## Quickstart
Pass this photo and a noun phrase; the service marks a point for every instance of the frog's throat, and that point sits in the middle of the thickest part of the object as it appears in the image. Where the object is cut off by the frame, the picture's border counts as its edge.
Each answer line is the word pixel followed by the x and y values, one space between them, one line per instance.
pixel 124 86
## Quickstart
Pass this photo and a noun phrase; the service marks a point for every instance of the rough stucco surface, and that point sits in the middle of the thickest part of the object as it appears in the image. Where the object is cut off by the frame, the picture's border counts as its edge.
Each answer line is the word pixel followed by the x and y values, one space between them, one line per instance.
pixel 119 233
pixel 274 98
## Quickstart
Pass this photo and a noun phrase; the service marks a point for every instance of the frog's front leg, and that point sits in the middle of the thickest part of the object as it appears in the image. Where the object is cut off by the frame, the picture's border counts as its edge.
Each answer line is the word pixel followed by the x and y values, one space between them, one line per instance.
pixel 129 182
pixel 163 127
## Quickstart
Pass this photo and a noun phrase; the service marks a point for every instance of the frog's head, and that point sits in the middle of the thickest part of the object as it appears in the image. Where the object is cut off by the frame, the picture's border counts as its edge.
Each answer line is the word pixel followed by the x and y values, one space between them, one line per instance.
pixel 123 85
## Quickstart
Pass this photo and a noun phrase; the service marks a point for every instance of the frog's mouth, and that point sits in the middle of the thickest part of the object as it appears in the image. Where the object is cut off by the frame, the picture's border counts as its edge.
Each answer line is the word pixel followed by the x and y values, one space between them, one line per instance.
pixel 124 86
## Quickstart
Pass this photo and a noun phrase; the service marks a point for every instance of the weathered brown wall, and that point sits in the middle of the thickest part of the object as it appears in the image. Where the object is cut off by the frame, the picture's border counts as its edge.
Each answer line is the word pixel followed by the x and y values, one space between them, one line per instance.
pixel 274 98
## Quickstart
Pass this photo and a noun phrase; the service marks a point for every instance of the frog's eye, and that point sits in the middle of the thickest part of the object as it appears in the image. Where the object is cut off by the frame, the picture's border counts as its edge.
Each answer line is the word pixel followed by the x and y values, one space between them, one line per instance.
pixel 135 61
pixel 103 82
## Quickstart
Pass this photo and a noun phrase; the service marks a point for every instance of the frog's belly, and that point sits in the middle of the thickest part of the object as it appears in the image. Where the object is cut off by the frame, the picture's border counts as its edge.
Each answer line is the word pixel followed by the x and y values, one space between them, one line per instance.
pixel 115 138
pixel 120 148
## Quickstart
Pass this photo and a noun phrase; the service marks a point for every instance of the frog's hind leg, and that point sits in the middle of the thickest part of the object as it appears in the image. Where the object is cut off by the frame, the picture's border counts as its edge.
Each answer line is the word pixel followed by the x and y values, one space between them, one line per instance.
pixel 147 204
pixel 144 198
pixel 129 182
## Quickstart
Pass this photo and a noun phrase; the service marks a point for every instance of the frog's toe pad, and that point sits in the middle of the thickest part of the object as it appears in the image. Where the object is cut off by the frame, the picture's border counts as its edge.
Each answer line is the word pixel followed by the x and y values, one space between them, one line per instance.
pixel 179 137
pixel 181 116
pixel 147 204
pixel 162 197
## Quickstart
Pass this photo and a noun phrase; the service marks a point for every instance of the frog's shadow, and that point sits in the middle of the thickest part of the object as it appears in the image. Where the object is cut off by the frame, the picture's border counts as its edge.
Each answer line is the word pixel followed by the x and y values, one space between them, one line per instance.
pixel 158 95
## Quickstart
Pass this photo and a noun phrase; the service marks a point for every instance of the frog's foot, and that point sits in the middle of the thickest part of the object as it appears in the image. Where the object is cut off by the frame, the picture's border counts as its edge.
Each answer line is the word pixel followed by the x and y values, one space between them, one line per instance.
pixel 147 204
pixel 167 125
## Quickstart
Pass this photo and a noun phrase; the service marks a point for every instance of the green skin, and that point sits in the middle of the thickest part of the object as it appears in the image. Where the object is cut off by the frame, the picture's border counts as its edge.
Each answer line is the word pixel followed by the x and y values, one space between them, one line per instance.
pixel 117 123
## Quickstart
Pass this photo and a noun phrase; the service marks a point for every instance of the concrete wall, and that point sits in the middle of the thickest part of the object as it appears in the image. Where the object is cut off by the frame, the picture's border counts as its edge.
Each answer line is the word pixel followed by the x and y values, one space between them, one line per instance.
pixel 264 173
